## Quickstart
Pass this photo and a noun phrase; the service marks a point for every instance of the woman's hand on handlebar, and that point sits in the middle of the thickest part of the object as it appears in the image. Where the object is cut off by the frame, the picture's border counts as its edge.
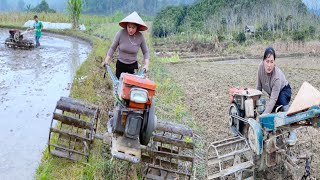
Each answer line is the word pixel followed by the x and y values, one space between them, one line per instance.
pixel 105 64
pixel 146 68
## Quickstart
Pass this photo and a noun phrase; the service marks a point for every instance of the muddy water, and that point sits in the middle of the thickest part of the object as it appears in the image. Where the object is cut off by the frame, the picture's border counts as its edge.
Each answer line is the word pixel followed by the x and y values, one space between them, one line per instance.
pixel 31 81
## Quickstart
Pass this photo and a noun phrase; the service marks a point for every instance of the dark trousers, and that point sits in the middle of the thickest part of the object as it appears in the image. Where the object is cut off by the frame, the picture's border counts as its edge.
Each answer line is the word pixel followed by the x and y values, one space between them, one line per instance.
pixel 284 96
pixel 125 68
pixel 37 41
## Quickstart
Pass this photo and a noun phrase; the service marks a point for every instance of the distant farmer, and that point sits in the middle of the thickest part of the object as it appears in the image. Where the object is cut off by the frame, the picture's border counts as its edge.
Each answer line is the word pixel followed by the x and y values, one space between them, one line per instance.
pixel 37 26
pixel 129 40
pixel 273 81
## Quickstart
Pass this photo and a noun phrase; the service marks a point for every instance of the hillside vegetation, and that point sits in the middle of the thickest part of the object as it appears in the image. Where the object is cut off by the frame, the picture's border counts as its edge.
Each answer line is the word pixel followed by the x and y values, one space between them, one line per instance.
pixel 227 19
pixel 97 7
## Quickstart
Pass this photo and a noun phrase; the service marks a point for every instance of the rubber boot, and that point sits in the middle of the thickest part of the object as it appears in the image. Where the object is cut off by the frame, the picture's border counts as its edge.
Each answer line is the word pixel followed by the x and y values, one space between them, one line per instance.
pixel 285 108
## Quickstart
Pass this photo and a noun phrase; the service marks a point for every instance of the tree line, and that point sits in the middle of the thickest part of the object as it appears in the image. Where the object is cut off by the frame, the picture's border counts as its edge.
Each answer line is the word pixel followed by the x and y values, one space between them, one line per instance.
pixel 21 5
pixel 227 19
pixel 102 7
pixel 146 7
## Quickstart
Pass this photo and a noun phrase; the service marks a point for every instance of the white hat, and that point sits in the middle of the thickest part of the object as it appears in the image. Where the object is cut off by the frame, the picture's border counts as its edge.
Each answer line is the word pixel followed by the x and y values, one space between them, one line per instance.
pixel 133 18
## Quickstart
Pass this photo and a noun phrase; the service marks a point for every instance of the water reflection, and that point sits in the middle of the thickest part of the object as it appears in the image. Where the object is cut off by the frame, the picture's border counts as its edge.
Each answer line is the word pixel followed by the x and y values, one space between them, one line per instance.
pixel 31 81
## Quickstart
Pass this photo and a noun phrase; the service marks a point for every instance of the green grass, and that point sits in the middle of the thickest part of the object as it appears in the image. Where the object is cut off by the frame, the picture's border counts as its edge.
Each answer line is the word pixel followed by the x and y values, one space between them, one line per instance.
pixel 106 31
pixel 171 59
pixel 93 90
pixel 9 18
pixel 97 90
pixel 185 37
pixel 170 105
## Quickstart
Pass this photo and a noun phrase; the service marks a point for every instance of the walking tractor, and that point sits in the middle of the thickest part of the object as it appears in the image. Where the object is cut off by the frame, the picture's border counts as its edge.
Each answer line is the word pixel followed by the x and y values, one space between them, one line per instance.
pixel 134 134
pixel 16 40
pixel 263 142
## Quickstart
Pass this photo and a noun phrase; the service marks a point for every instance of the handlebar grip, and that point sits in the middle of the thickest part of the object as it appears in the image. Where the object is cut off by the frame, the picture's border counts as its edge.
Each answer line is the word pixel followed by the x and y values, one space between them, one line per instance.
pixel 105 73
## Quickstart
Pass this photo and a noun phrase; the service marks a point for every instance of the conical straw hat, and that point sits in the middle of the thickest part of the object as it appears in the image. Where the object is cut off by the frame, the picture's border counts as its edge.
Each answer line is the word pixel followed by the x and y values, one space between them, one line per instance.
pixel 133 18
pixel 307 96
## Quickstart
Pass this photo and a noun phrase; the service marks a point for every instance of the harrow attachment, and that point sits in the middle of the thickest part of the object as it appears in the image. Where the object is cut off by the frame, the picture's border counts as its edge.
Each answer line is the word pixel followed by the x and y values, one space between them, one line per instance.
pixel 23 44
pixel 72 129
pixel 230 158
pixel 170 154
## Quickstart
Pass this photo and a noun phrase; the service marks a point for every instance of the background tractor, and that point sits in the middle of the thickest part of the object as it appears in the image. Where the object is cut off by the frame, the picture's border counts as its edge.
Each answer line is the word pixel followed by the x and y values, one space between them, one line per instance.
pixel 16 40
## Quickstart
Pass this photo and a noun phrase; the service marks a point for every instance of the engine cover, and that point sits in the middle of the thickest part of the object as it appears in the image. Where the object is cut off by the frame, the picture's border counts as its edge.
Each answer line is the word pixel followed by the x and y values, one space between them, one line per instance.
pixel 133 125
pixel 129 81
pixel 249 108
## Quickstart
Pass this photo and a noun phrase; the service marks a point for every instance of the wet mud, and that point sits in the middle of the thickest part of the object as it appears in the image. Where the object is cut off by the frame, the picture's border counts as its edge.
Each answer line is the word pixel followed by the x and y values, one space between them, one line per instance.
pixel 31 82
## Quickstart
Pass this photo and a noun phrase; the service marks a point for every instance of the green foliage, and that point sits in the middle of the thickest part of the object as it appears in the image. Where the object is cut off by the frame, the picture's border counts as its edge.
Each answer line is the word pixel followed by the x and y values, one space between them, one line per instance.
pixel 271 19
pixel 241 38
pixel 43 7
pixel 268 35
pixel 174 58
pixel 147 7
pixel 118 16
pixel 89 21
pixel 312 31
pixel 221 37
pixel 168 20
pixel 74 9
pixel 299 35
pixel 249 42
pixel 171 105
pixel 302 8
pixel 28 8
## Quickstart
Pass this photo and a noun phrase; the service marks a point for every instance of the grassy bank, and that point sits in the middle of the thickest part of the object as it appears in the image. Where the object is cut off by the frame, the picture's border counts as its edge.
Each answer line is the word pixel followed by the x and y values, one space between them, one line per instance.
pixel 90 90
pixel 95 89
pixel 19 19
pixel 170 105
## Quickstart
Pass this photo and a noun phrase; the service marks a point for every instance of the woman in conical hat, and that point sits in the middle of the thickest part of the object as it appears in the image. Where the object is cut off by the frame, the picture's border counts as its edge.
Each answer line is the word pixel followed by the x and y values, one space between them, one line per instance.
pixel 129 40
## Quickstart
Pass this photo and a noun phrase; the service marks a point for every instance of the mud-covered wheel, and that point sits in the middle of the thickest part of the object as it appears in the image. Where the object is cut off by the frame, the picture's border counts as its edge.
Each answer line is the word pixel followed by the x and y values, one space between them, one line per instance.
pixel 252 139
pixel 7 41
pixel 235 125
pixel 16 37
pixel 150 126
pixel 71 134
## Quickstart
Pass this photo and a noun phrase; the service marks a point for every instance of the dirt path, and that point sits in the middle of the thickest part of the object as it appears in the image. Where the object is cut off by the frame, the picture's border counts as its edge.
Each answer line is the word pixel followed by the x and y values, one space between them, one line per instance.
pixel 31 81
pixel 206 86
